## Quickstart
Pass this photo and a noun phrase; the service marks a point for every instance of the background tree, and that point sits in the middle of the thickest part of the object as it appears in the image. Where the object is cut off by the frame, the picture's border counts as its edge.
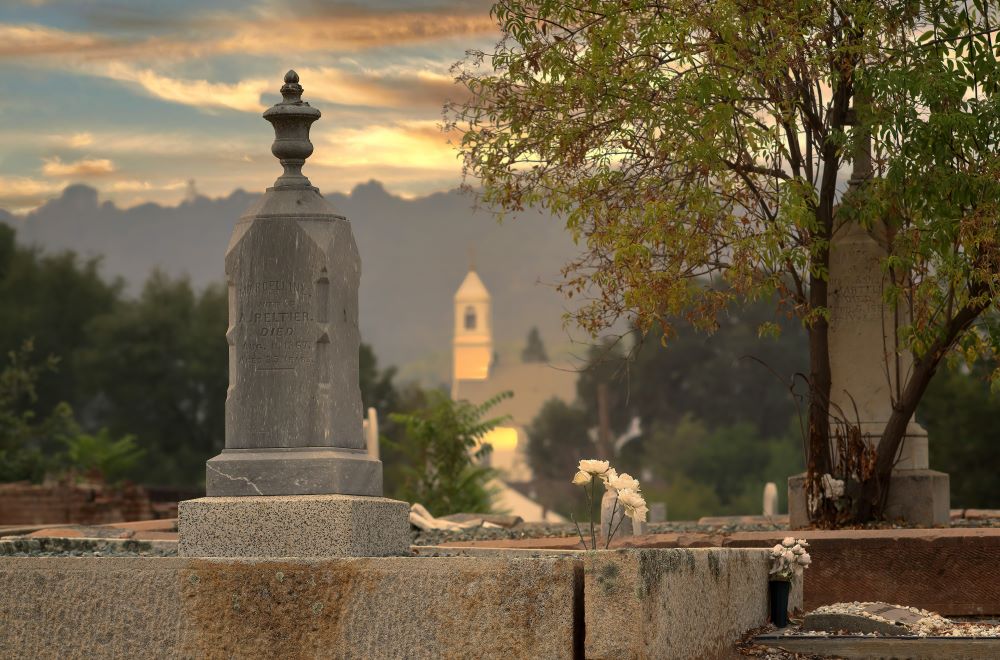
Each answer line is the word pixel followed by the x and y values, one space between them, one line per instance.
pixel 28 438
pixel 377 388
pixel 534 349
pixel 688 142
pixel 558 438
pixel 604 382
pixel 959 412
pixel 717 417
pixel 157 367
pixel 51 298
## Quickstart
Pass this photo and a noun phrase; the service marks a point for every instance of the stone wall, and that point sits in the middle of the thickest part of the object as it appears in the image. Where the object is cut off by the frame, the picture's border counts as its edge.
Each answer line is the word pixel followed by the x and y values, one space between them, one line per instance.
pixel 448 607
pixel 621 604
pixel 22 503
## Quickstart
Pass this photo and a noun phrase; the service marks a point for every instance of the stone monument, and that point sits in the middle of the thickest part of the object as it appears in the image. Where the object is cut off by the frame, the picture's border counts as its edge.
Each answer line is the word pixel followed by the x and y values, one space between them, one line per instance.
pixel 869 367
pixel 295 477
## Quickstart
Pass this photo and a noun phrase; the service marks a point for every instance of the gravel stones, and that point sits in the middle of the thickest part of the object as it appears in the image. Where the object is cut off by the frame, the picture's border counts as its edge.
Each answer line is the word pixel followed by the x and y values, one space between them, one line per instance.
pixel 884 619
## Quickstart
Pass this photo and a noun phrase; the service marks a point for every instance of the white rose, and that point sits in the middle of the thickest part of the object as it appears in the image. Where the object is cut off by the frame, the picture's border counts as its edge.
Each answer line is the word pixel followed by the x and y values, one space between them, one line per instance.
pixel 788 542
pixel 623 481
pixel 581 478
pixel 802 542
pixel 635 505
pixel 594 466
pixel 805 559
pixel 777 550
pixel 608 476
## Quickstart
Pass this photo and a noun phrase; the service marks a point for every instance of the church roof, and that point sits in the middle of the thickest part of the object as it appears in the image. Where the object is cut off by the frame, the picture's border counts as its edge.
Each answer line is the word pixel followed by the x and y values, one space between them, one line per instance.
pixel 472 289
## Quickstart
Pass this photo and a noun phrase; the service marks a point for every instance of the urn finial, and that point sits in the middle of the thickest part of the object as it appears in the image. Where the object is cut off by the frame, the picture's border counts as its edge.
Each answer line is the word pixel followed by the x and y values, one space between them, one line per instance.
pixel 292 118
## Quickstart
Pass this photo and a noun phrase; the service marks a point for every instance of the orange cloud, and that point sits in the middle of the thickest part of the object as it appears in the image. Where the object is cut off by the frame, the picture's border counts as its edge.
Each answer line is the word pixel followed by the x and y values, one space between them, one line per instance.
pixel 20 194
pixel 78 140
pixel 84 167
pixel 337 31
pixel 347 33
pixel 31 39
pixel 398 89
pixel 409 144
pixel 244 95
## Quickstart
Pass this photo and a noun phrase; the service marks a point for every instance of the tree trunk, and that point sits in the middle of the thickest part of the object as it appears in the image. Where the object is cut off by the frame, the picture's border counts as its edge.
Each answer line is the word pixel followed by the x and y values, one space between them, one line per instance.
pixel 818 454
pixel 605 443
pixel 875 491
pixel 818 458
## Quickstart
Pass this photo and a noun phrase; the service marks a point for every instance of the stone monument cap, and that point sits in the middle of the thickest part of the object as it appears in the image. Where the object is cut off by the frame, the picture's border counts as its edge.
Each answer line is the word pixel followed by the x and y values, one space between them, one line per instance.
pixel 292 117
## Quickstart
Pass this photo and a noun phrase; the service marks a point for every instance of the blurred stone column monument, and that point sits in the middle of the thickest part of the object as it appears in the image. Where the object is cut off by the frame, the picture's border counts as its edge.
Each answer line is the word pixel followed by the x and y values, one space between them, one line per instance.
pixel 869 368
pixel 295 477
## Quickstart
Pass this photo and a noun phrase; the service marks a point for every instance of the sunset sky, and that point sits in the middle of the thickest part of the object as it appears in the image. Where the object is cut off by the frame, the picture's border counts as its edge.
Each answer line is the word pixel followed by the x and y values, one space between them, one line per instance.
pixel 135 97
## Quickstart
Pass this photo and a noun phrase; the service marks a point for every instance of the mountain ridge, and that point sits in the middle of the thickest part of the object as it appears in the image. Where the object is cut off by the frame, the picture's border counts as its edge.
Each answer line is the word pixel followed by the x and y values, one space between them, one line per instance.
pixel 414 255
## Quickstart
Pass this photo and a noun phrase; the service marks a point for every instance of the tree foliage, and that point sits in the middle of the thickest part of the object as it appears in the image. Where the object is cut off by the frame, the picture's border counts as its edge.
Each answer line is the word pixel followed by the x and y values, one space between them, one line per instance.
pixel 959 412
pixel 101 456
pixel 717 415
pixel 444 448
pixel 685 142
pixel 156 367
pixel 33 446
pixel 51 298
pixel 27 438
pixel 534 349
pixel 558 439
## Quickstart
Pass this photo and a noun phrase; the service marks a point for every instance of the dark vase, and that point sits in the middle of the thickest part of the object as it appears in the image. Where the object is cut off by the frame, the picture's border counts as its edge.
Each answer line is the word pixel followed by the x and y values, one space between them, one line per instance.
pixel 777 591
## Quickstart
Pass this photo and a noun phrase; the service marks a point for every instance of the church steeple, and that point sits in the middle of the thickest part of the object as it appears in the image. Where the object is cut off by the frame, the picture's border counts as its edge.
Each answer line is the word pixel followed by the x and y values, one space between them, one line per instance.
pixel 473 343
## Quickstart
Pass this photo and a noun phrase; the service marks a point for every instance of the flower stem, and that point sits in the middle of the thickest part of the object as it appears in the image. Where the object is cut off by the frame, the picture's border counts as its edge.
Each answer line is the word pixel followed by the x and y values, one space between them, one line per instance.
pixel 583 542
pixel 611 532
pixel 593 491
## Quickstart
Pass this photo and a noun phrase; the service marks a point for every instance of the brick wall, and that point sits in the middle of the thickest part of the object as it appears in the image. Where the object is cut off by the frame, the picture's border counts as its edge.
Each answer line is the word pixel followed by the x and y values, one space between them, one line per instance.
pixel 23 503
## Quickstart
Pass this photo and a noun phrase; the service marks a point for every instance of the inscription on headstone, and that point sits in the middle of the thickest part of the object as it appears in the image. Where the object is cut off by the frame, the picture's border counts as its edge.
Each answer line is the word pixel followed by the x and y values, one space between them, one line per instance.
pixel 867 364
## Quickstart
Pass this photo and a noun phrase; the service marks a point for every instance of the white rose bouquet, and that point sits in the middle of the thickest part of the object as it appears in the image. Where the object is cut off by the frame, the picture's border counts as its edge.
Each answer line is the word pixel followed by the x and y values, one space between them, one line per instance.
pixel 625 488
pixel 789 558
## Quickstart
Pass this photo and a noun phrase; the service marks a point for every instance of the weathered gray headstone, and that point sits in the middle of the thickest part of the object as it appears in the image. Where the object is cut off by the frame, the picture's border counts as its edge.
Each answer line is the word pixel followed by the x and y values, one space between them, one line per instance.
pixel 657 512
pixel 770 499
pixel 293 408
pixel 614 521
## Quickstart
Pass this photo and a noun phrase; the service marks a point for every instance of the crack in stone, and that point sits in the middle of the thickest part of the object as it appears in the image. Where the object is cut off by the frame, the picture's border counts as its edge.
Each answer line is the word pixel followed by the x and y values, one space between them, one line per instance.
pixel 232 478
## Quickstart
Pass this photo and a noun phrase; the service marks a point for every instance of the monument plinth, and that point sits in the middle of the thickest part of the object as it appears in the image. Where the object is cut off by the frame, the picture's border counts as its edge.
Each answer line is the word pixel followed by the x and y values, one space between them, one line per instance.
pixel 294 442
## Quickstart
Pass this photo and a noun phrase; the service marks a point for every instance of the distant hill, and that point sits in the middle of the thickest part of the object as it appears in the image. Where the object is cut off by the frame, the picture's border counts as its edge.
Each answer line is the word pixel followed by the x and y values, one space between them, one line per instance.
pixel 414 255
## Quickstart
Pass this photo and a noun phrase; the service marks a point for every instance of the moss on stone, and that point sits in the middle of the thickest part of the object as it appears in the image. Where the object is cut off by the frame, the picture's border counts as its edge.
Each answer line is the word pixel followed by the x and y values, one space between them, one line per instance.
pixel 714 564
pixel 607 575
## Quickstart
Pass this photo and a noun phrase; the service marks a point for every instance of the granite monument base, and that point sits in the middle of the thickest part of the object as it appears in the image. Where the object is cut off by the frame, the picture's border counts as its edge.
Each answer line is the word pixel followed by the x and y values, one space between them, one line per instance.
pixel 293 526
pixel 919 497
pixel 293 471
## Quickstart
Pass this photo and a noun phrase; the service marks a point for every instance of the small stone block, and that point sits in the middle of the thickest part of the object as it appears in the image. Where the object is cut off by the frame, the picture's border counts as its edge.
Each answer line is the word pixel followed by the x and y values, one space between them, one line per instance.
pixel 294 526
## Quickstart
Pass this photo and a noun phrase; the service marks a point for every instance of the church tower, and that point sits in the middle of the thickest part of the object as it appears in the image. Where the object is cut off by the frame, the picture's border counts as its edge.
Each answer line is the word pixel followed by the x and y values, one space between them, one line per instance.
pixel 473 343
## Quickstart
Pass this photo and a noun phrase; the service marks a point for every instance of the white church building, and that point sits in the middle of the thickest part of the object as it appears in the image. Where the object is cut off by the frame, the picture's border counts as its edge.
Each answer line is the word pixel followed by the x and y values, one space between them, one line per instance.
pixel 476 376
